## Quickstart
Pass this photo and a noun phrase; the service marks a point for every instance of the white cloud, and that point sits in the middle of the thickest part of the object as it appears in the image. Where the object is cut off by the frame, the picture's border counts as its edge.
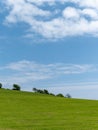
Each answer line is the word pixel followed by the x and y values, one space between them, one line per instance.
pixel 71 13
pixel 58 68
pixel 88 3
pixel 23 11
pixel 26 71
pixel 71 20
pixel 41 2
pixel 90 13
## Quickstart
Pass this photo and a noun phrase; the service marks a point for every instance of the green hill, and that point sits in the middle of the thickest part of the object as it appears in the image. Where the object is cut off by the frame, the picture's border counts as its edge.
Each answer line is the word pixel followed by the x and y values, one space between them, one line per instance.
pixel 28 111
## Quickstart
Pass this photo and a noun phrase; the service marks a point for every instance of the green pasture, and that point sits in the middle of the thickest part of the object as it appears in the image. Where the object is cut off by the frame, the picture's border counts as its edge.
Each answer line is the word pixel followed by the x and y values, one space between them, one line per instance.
pixel 28 111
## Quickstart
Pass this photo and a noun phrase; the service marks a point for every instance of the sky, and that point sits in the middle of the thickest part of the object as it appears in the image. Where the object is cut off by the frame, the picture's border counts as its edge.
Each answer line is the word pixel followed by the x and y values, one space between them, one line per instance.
pixel 50 44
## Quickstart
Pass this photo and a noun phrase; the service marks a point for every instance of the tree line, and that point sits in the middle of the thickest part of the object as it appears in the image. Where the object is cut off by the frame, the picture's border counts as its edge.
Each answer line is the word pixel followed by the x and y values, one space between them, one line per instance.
pixel 45 91
pixel 35 90
pixel 15 87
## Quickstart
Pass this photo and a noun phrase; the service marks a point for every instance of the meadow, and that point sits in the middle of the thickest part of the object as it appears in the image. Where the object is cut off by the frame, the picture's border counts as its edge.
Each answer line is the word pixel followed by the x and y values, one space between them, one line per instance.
pixel 29 111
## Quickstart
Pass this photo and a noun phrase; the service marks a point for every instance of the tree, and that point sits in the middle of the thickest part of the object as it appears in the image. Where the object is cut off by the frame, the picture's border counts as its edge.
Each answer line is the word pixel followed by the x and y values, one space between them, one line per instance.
pixel 52 94
pixel 60 95
pixel 34 89
pixel 0 85
pixel 16 87
pixel 46 91
pixel 40 91
pixel 68 95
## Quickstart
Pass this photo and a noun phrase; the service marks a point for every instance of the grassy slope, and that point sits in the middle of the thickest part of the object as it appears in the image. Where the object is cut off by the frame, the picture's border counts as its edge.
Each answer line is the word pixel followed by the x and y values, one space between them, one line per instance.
pixel 28 111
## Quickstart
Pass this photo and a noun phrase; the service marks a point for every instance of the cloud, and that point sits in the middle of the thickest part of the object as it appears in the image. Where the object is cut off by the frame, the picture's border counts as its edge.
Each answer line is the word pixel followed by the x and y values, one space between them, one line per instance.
pixel 23 11
pixel 87 4
pixel 78 18
pixel 71 13
pixel 30 71
pixel 90 13
pixel 58 68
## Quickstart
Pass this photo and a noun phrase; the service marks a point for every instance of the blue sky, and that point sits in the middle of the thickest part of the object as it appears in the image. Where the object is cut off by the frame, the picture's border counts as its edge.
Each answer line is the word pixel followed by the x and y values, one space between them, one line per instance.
pixel 50 44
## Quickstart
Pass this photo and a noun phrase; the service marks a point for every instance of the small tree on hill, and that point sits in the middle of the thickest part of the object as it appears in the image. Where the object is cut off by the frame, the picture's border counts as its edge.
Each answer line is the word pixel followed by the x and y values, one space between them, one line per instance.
pixel 16 87
pixel 68 95
pixel 46 91
pixel 40 91
pixel 52 94
pixel 0 85
pixel 34 89
pixel 60 95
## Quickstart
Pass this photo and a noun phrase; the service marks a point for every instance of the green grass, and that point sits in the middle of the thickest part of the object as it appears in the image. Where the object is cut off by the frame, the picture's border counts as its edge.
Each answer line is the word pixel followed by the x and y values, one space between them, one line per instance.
pixel 28 111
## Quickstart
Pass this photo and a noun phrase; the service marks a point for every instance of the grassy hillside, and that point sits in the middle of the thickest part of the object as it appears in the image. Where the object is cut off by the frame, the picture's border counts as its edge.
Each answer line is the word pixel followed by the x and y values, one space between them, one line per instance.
pixel 28 111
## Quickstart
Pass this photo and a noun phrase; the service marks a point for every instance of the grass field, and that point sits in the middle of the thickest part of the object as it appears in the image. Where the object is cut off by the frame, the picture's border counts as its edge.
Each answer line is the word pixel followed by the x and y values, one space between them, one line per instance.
pixel 28 111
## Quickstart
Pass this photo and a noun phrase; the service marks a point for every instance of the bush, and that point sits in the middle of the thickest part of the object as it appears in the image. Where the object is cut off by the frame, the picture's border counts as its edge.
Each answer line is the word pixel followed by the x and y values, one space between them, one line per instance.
pixel 40 91
pixel 51 94
pixel 0 85
pixel 16 87
pixel 34 89
pixel 46 91
pixel 60 95
pixel 68 95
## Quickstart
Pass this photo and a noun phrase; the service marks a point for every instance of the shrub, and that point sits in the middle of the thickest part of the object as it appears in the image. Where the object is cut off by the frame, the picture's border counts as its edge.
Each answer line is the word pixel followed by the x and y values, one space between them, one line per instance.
pixel 46 91
pixel 34 89
pixel 60 95
pixel 52 94
pixel 40 91
pixel 16 87
pixel 0 85
pixel 68 95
